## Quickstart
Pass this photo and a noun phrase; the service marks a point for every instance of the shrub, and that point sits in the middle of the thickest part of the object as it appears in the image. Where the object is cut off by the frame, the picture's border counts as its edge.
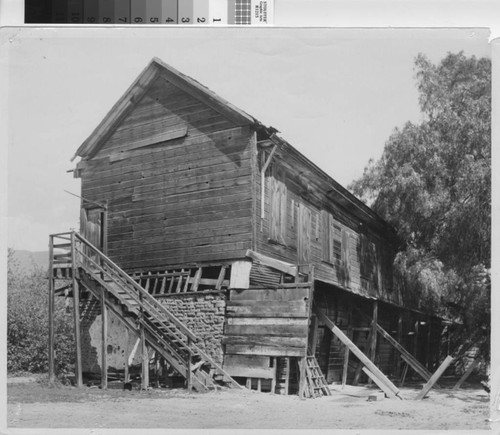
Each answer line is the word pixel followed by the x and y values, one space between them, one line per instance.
pixel 27 323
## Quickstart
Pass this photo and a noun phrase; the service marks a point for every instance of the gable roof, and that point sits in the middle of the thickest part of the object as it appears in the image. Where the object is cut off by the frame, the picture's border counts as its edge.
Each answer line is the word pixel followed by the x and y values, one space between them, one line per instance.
pixel 138 89
pixel 157 68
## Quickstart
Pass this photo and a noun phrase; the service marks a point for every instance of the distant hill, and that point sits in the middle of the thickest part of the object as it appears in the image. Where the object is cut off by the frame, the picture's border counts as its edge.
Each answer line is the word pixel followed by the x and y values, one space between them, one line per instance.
pixel 28 260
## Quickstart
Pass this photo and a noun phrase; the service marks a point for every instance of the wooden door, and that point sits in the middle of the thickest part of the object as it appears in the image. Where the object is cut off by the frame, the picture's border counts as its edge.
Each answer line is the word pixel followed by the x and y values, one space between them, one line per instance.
pixel 93 226
pixel 304 235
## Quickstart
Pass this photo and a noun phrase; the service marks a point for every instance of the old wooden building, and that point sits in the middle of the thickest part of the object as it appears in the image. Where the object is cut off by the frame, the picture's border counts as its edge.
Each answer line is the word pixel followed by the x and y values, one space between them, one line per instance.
pixel 213 249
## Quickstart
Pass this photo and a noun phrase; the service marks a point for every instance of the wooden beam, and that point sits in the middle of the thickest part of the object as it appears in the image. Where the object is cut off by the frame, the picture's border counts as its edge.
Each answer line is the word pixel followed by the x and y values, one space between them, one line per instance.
pixel 467 373
pixel 444 365
pixel 314 335
pixel 76 315
pixel 399 340
pixel 415 342
pixel 51 311
pixel 273 380
pixel 373 335
pixel 359 367
pixel 287 375
pixel 189 377
pixel 356 351
pixel 104 341
pixel 345 367
pixel 126 374
pixel 373 342
pixel 404 354
pixel 302 377
pixel 145 362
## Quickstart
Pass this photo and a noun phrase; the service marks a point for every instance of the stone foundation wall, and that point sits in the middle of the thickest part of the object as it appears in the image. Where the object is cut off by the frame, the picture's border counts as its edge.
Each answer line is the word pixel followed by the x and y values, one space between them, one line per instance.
pixel 204 315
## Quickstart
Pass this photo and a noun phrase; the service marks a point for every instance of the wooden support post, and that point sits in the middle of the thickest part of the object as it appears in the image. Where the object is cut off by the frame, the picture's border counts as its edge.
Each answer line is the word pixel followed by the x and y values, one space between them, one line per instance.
pixel 373 335
pixel 259 384
pixel 373 342
pixel 314 335
pixel 403 375
pixel 415 341
pixel 249 383
pixel 188 369
pixel 359 368
pixel 145 362
pixel 287 375
pixel 399 340
pixel 126 374
pixel 104 341
pixel 275 371
pixel 428 344
pixel 356 351
pixel 52 374
pixel 263 185
pixel 302 378
pixel 76 314
pixel 345 367
pixel 444 365
pixel 467 373
pixel 157 370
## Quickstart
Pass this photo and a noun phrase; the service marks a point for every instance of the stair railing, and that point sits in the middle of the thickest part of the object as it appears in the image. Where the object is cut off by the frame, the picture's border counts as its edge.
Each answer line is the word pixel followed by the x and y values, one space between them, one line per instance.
pixel 106 266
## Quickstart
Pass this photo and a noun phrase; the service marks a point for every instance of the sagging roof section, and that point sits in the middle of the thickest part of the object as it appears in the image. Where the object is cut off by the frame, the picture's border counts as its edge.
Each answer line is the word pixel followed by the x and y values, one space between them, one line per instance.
pixel 157 68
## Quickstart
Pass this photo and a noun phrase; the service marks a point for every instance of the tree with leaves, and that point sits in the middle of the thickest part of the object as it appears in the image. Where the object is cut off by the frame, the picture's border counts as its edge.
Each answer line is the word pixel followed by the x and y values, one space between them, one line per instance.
pixel 27 323
pixel 433 183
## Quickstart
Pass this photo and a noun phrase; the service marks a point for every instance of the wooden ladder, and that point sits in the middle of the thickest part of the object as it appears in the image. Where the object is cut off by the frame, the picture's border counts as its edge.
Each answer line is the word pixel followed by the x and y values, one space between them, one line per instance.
pixel 316 385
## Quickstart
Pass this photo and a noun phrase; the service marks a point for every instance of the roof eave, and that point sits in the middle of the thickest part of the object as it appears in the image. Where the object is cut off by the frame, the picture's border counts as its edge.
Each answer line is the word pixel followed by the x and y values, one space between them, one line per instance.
pixel 137 90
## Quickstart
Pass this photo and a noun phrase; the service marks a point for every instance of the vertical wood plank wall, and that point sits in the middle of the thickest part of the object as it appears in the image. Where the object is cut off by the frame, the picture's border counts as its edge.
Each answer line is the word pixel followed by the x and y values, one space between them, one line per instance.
pixel 365 277
pixel 174 197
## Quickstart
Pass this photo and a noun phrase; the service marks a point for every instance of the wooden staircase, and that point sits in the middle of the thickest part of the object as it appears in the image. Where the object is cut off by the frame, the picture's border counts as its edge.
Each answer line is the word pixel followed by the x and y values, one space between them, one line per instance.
pixel 72 256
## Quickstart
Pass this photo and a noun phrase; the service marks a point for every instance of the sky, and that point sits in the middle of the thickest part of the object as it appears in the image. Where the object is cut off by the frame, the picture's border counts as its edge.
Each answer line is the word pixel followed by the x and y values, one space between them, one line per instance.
pixel 335 95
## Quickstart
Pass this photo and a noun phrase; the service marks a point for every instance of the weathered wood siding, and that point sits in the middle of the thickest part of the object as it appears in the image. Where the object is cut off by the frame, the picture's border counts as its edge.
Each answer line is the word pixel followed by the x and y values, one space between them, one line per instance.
pixel 267 322
pixel 177 178
pixel 364 265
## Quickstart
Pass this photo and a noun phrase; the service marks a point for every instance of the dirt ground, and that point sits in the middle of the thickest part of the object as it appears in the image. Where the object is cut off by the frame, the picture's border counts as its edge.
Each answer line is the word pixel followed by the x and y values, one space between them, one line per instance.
pixel 37 405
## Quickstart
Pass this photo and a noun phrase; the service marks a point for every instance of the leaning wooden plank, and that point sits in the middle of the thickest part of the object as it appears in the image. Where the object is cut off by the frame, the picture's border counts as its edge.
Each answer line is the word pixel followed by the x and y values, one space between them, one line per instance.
pixel 444 365
pixel 271 262
pixel 356 351
pixel 381 385
pixel 405 355
pixel 467 373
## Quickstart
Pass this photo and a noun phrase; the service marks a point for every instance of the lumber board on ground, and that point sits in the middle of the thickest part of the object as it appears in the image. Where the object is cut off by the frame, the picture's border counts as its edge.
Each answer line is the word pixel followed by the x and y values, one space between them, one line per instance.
pixel 437 374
